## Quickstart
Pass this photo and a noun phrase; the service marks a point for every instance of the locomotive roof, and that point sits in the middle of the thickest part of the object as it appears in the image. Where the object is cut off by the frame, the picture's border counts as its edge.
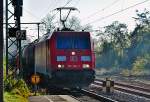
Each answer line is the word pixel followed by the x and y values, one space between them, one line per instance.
pixel 49 35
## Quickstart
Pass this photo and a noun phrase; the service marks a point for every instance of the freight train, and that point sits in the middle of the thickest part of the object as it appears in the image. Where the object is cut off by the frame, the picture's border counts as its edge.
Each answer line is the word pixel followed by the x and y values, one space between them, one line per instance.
pixel 63 59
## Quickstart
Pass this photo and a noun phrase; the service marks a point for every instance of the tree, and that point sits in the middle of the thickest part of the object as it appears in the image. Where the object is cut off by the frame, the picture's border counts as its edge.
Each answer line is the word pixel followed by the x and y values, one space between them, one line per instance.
pixel 143 18
pixel 139 38
pixel 114 41
pixel 138 66
pixel 87 27
pixel 142 22
pixel 49 23
pixel 141 34
pixel 118 34
pixel 75 24
pixel 72 23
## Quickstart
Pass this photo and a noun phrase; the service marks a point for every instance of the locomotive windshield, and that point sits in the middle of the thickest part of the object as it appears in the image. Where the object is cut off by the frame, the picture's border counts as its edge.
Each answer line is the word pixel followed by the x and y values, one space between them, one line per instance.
pixel 73 41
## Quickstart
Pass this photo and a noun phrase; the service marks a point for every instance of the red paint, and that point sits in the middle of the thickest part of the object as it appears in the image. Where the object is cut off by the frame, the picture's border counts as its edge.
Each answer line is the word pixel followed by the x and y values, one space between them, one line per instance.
pixel 67 52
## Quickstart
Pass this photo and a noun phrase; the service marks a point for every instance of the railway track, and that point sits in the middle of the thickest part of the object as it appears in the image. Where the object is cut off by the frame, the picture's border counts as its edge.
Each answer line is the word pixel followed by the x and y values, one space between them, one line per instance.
pixel 83 95
pixel 88 96
pixel 136 90
pixel 97 96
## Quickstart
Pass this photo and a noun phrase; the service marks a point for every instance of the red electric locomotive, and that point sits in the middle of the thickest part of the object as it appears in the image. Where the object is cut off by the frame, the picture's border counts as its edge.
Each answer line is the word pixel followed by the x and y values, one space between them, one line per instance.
pixel 64 59
pixel 61 59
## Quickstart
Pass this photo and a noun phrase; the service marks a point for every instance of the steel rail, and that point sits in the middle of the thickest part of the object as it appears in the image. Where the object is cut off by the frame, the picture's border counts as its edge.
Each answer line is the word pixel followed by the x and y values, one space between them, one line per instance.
pixel 97 96
pixel 127 85
pixel 136 90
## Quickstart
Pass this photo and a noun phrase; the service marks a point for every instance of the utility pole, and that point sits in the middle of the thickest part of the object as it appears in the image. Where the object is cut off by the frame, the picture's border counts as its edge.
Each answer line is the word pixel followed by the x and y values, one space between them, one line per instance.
pixel 1 50
pixel 18 13
pixel 38 24
pixel 14 34
pixel 13 31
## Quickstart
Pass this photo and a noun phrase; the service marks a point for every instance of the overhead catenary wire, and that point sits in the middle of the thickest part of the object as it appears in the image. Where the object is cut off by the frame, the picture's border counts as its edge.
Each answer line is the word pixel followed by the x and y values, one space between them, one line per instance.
pixel 63 6
pixel 68 1
pixel 122 5
pixel 106 7
pixel 105 17
pixel 30 13
pixel 50 7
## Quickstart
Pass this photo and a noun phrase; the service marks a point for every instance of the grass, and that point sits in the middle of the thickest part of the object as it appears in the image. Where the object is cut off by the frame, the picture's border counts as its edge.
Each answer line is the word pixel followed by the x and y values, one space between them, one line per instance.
pixel 8 97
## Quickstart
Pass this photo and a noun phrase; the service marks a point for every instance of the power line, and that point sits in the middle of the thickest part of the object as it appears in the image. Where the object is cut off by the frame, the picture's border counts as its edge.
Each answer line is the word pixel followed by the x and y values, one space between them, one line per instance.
pixel 118 12
pixel 50 7
pixel 58 11
pixel 63 6
pixel 31 13
pixel 106 7
pixel 122 5
pixel 67 3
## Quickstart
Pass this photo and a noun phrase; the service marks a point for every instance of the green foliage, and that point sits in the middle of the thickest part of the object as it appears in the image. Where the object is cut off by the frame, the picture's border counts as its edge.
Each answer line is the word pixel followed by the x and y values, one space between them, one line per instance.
pixel 139 65
pixel 21 89
pixel 4 66
pixel 143 18
pixel 14 86
pixel 118 34
pixel 9 83
pixel 108 57
pixel 8 97
pixel 119 49
pixel 18 87
pixel 125 72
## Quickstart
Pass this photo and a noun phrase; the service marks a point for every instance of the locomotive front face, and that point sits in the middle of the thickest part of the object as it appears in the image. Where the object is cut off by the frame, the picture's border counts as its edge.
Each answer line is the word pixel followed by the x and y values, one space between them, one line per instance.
pixel 65 59
pixel 72 59
pixel 73 51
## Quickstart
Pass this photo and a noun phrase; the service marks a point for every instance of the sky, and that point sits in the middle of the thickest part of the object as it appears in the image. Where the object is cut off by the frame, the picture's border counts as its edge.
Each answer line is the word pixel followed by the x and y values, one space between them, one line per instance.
pixel 93 12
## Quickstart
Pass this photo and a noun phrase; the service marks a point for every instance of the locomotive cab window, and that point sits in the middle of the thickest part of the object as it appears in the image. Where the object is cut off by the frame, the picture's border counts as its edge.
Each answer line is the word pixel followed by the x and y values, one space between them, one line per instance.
pixel 75 41
pixel 85 58
pixel 61 58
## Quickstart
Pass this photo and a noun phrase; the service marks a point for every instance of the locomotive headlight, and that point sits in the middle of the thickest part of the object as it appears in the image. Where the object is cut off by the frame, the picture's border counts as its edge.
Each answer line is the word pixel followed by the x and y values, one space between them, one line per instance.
pixel 85 65
pixel 73 53
pixel 59 66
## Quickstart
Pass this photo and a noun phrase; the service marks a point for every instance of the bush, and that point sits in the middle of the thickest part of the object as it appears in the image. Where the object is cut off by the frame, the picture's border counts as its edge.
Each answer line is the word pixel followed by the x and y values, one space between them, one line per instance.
pixel 8 97
pixel 125 72
pixel 139 66
pixel 16 87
